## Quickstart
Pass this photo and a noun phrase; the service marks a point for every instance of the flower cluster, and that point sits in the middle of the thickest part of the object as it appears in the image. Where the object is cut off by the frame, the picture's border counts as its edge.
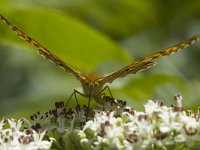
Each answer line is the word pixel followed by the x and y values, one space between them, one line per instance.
pixel 59 119
pixel 111 125
pixel 158 126
pixel 15 137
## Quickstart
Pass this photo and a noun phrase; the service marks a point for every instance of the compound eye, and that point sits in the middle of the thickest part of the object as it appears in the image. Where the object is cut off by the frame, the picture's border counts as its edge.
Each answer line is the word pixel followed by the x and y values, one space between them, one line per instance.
pixel 87 83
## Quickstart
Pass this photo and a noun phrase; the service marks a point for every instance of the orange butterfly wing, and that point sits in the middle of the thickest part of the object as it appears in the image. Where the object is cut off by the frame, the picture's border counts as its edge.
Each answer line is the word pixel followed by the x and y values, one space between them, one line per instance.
pixel 147 61
pixel 43 51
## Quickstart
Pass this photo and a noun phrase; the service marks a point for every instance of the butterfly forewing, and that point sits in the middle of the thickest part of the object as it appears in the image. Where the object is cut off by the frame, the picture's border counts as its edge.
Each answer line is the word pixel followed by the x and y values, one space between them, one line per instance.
pixel 130 69
pixel 170 50
pixel 42 50
pixel 147 61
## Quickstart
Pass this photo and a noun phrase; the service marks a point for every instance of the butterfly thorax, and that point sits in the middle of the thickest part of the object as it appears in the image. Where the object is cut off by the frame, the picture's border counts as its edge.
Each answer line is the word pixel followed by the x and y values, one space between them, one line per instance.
pixel 91 85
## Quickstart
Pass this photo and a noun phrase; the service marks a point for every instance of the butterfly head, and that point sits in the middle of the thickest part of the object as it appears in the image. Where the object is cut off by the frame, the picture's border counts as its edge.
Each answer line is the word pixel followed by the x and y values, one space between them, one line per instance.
pixel 91 85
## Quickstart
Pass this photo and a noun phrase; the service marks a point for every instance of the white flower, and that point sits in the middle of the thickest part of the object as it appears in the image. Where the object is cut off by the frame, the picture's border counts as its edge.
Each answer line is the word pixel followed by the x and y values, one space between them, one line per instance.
pixel 2 123
pixel 151 107
pixel 16 138
pixel 38 141
pixel 180 138
pixel 158 126
pixel 15 125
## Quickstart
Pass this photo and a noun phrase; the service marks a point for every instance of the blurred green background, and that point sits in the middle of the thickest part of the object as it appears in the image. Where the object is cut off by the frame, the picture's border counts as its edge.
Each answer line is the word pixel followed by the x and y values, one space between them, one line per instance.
pixel 100 36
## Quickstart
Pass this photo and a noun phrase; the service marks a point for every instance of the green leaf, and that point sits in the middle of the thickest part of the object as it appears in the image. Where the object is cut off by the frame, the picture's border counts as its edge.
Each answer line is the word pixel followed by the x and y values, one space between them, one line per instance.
pixel 116 18
pixel 71 40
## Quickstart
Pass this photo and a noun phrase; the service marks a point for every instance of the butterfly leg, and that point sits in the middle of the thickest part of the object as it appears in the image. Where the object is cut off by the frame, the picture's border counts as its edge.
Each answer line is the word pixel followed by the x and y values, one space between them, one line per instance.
pixel 88 107
pixel 74 94
pixel 99 97
pixel 102 91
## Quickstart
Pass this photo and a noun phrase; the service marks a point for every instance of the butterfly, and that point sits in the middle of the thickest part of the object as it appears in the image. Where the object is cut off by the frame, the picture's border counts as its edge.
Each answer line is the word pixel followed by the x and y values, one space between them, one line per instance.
pixel 92 83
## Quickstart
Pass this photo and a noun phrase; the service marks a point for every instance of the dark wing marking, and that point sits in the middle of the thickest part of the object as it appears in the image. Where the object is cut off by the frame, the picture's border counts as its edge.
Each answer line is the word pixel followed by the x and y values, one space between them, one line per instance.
pixel 147 61
pixel 42 50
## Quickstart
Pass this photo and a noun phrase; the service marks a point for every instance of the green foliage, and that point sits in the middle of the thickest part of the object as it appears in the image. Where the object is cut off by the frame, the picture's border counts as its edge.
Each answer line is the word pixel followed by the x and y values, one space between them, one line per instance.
pixel 68 38
pixel 121 19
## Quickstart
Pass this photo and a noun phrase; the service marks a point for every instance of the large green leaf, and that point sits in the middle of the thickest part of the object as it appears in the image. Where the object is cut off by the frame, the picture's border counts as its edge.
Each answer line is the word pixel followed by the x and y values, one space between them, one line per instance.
pixel 117 18
pixel 74 42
